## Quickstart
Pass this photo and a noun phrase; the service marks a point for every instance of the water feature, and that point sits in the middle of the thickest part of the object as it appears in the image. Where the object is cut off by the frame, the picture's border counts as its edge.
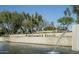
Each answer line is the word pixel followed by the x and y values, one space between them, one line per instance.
pixel 18 48
pixel 54 50
pixel 21 48
pixel 4 47
pixel 56 45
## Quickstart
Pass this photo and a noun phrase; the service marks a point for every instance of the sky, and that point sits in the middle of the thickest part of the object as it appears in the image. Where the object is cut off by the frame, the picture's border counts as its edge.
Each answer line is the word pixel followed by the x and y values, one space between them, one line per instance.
pixel 50 13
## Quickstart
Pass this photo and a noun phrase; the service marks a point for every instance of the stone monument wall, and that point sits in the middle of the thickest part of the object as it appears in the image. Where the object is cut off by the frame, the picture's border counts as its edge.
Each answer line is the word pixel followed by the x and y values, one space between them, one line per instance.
pixel 44 38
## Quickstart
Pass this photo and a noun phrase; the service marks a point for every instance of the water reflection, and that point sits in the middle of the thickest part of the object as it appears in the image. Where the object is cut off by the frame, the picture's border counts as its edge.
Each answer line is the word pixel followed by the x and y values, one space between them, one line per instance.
pixel 16 48
pixel 4 47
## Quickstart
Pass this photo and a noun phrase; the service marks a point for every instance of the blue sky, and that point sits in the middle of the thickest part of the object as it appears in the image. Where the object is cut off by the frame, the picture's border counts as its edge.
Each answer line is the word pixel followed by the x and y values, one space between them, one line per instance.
pixel 49 12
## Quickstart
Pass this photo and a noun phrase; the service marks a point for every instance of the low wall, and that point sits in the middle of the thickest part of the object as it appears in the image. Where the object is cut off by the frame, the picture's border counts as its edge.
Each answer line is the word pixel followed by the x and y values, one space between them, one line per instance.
pixel 44 38
pixel 1 38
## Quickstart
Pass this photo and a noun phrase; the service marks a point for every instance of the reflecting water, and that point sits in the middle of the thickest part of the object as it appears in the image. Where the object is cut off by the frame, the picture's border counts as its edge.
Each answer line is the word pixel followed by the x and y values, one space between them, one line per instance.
pixel 18 48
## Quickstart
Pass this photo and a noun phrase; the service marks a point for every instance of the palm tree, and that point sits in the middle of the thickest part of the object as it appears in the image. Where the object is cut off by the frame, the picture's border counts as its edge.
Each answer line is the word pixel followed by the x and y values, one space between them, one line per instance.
pixel 11 22
pixel 67 12
pixel 16 21
pixel 38 21
pixel 76 11
pixel 5 20
pixel 66 20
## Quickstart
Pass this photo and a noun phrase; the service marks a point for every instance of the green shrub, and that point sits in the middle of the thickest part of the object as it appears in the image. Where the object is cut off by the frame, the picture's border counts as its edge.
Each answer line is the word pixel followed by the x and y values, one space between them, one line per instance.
pixel 49 28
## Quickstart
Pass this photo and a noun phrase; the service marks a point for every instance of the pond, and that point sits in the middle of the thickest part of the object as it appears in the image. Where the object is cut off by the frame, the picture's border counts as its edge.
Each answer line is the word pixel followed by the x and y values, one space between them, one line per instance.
pixel 21 48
